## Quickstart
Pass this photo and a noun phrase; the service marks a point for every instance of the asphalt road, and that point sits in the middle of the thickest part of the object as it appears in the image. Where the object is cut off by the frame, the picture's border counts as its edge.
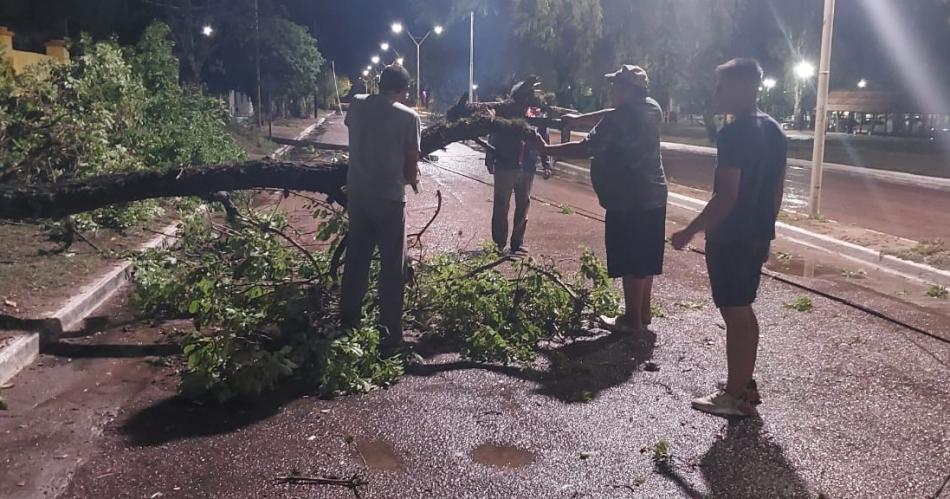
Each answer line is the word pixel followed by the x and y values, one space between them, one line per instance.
pixel 914 212
pixel 854 407
pixel 908 207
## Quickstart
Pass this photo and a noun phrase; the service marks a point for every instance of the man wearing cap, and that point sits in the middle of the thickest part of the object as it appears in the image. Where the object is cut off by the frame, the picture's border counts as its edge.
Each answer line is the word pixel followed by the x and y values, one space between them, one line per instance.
pixel 385 139
pixel 628 177
pixel 514 165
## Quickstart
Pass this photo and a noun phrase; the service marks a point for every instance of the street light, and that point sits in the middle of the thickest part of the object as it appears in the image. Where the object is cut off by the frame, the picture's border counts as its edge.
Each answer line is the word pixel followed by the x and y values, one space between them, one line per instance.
pixel 769 83
pixel 375 59
pixel 804 70
pixel 400 60
pixel 862 83
pixel 365 73
pixel 384 46
pixel 207 30
pixel 438 30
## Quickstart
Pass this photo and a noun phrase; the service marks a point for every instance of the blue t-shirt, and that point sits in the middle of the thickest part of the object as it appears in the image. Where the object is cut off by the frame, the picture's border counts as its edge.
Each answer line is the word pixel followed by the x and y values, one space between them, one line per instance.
pixel 627 169
pixel 755 144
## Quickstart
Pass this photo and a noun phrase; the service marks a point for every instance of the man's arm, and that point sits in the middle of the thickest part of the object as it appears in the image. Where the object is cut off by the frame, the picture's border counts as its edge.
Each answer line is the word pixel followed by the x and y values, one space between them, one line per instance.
pixel 410 168
pixel 410 165
pixel 718 208
pixel 587 120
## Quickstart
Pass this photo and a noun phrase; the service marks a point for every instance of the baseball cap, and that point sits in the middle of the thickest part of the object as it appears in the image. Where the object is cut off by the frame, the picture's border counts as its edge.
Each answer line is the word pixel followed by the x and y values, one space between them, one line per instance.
pixel 630 75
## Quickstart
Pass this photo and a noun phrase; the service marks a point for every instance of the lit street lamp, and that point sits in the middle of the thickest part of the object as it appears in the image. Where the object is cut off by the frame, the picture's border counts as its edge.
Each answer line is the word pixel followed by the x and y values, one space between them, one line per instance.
pixel 398 28
pixel 400 60
pixel 804 70
pixel 207 30
pixel 863 83
pixel 769 83
pixel 365 73
pixel 375 59
pixel 384 46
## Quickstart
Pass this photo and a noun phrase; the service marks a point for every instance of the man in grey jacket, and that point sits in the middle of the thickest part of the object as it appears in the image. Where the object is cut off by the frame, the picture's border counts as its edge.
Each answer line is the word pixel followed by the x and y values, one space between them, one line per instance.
pixel 385 139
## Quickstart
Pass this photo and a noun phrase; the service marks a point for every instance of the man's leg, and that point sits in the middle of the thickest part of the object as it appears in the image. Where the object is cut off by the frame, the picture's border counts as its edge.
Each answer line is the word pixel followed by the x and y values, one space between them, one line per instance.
pixel 391 232
pixel 646 312
pixel 742 346
pixel 633 295
pixel 522 204
pixel 504 184
pixel 359 252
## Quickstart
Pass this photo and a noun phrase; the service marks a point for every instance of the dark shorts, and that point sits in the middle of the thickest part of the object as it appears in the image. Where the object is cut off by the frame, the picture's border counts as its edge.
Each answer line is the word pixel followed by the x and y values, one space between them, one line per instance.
pixel 735 270
pixel 635 242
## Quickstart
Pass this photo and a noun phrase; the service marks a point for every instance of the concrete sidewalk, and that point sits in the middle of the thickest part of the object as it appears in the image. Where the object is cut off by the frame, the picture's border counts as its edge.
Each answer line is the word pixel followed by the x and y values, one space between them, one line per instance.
pixel 854 406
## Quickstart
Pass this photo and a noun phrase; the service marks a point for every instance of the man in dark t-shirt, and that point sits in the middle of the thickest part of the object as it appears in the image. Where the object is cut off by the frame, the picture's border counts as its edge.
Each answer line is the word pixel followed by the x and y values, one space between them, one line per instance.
pixel 739 223
pixel 627 175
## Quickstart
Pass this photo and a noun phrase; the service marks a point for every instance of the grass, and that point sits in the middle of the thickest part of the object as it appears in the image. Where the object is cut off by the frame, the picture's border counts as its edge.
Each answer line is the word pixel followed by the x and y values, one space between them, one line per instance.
pixel 933 252
pixel 802 304
pixel 567 210
pixel 939 292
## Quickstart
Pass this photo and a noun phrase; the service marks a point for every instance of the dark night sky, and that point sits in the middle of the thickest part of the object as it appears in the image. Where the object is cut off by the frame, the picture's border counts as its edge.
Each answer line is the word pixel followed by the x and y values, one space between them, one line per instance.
pixel 349 32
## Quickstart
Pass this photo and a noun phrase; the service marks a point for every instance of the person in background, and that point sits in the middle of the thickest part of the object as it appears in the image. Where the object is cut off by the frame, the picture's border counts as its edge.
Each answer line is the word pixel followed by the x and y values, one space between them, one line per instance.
pixel 739 222
pixel 514 165
pixel 628 177
pixel 384 139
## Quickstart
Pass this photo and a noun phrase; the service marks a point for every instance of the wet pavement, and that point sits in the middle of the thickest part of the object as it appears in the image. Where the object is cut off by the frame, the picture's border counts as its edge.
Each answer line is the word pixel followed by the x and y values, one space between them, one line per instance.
pixel 855 406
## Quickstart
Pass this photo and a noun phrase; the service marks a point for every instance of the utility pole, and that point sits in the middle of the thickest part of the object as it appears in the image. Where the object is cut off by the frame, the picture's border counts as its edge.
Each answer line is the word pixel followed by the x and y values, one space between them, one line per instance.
pixel 471 57
pixel 257 63
pixel 824 77
pixel 336 89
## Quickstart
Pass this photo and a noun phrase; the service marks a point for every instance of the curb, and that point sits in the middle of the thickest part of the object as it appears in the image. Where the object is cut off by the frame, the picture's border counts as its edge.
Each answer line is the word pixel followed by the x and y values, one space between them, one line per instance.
pixel 890 264
pixel 26 347
pixel 18 354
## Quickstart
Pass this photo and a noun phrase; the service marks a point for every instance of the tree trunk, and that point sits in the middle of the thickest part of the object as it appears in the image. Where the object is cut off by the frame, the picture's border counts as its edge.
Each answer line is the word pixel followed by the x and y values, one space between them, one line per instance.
pixel 65 198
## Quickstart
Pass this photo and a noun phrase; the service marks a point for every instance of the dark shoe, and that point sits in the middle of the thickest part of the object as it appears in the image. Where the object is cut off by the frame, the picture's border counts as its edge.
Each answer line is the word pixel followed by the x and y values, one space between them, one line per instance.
pixel 519 249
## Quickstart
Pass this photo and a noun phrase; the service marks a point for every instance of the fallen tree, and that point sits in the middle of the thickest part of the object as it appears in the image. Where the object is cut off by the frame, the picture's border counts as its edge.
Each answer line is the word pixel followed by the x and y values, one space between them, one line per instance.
pixel 65 198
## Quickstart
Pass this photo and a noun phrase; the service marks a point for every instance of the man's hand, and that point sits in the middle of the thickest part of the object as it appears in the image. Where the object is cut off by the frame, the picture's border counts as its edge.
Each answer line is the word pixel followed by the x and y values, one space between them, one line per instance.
pixel 681 239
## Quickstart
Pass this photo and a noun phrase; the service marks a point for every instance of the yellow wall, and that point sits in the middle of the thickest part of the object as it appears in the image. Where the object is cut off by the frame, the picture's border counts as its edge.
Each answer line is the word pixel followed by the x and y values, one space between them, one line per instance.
pixel 20 60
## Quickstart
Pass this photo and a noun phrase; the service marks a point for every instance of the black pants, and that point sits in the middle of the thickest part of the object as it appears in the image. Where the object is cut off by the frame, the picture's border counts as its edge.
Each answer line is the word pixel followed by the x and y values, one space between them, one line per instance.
pixel 635 242
pixel 735 270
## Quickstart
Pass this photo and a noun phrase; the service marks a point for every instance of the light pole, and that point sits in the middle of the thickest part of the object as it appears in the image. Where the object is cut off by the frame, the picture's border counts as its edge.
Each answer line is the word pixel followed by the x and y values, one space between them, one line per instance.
pixel 821 110
pixel 768 84
pixel 471 56
pixel 398 28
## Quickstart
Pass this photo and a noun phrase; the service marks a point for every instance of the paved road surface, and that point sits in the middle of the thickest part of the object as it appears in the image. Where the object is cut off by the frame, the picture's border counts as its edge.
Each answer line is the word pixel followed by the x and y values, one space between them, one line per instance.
pixel 854 406
pixel 866 199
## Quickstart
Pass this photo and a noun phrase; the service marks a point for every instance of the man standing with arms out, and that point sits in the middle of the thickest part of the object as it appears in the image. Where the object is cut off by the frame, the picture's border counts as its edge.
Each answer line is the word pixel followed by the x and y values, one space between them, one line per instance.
pixel 739 223
pixel 513 165
pixel 628 177
pixel 385 139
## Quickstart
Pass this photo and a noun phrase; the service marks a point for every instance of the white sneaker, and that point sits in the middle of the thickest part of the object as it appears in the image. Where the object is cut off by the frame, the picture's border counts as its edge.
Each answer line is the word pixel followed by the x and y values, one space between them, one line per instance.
pixel 722 403
pixel 620 325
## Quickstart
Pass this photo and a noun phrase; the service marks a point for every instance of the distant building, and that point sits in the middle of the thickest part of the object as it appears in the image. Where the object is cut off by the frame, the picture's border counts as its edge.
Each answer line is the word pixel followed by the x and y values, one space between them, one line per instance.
pixel 879 112
pixel 21 59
